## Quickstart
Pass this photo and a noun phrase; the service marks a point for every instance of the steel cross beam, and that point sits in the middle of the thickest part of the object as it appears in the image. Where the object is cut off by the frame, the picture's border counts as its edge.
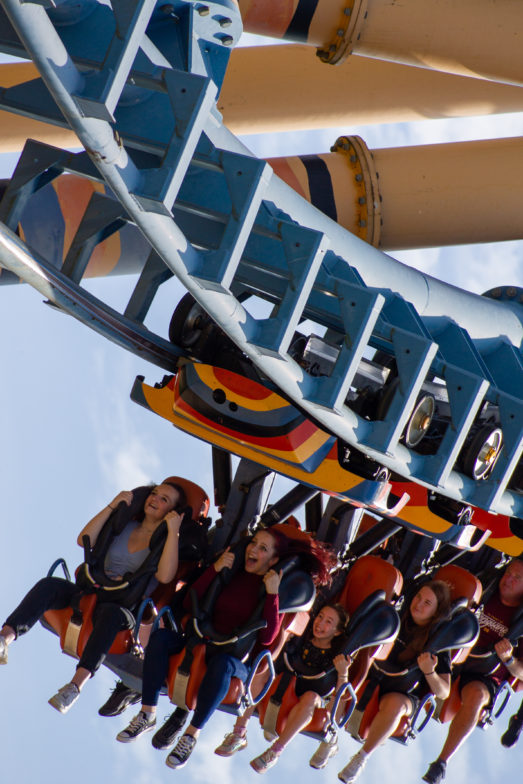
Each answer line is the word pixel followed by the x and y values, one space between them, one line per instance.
pixel 228 228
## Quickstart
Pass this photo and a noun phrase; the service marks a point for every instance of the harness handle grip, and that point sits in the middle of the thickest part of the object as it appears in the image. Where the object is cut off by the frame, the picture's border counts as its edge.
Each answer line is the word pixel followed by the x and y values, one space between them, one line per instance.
pixel 248 698
pixel 347 687
pixel 59 562
pixel 166 613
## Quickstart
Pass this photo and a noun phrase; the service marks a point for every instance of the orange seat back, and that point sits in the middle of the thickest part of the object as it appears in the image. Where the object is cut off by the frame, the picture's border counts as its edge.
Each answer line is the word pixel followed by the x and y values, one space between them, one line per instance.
pixel 461 582
pixel 367 575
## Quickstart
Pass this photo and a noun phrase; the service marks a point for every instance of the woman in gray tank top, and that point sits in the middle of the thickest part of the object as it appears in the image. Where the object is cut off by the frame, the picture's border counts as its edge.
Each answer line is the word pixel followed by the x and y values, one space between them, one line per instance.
pixel 126 553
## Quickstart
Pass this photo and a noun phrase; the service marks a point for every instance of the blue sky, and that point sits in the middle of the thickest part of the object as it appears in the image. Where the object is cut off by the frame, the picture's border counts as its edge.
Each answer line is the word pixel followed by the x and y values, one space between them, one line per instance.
pixel 71 439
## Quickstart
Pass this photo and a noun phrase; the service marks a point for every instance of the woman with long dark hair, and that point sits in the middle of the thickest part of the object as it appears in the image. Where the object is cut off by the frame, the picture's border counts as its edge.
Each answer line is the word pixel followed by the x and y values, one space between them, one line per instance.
pixel 234 607
pixel 429 605
pixel 150 533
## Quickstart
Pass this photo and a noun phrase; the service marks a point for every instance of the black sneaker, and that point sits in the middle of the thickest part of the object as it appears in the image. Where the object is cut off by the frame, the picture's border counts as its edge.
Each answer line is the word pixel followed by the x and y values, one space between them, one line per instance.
pixel 142 722
pixel 436 772
pixel 167 733
pixel 121 697
pixel 513 731
pixel 181 752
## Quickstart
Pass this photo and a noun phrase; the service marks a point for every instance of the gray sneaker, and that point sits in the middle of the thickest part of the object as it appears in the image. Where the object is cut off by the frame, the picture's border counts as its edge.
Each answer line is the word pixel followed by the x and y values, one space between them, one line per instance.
pixel 65 697
pixel 352 770
pixel 142 722
pixel 323 753
pixel 3 650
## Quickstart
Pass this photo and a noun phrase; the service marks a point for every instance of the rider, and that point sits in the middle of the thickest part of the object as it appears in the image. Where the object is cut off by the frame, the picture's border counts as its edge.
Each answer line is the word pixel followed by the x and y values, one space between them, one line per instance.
pixel 233 608
pixel 312 654
pixel 429 605
pixel 477 689
pixel 147 532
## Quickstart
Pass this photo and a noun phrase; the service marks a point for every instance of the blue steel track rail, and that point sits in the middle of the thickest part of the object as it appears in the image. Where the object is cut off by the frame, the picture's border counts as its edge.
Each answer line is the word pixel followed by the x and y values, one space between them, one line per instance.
pixel 137 81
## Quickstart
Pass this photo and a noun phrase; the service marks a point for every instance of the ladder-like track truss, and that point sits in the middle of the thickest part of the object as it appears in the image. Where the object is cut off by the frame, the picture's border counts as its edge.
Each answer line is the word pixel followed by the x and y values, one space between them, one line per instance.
pixel 137 81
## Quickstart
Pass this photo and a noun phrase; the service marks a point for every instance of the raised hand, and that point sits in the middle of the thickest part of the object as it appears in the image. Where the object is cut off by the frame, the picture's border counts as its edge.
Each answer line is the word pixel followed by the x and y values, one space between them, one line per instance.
pixel 427 663
pixel 271 580
pixel 225 561
pixel 504 649
pixel 125 495
pixel 174 521
pixel 342 664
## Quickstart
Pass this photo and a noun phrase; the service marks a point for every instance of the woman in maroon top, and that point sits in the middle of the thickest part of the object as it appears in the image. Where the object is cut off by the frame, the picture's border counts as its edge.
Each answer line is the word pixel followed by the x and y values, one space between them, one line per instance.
pixel 234 607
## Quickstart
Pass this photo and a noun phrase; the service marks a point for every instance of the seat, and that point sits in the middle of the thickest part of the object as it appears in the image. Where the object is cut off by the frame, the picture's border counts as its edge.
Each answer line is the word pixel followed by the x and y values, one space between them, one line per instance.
pixel 463 585
pixel 456 634
pixel 74 630
pixel 452 704
pixel 368 574
pixel 370 585
pixel 296 595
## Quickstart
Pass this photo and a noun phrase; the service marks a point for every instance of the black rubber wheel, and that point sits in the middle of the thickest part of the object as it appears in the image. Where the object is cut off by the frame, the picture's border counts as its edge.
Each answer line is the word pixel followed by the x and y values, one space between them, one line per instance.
pixel 187 322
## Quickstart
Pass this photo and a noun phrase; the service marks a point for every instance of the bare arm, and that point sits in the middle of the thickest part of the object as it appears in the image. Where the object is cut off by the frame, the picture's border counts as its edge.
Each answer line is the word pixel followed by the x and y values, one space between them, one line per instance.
pixel 342 664
pixel 505 652
pixel 168 564
pixel 439 684
pixel 94 526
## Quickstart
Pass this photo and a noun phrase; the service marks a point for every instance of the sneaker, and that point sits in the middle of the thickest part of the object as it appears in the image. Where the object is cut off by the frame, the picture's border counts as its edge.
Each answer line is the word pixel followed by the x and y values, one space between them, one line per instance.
pixel 65 697
pixel 323 753
pixel 166 735
pixel 3 650
pixel 232 743
pixel 181 752
pixel 142 722
pixel 352 770
pixel 264 761
pixel 435 772
pixel 121 697
pixel 513 731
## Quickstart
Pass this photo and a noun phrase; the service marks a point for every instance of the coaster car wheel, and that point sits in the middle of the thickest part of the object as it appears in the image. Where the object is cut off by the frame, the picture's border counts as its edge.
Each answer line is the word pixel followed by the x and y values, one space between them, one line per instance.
pixel 187 322
pixel 481 451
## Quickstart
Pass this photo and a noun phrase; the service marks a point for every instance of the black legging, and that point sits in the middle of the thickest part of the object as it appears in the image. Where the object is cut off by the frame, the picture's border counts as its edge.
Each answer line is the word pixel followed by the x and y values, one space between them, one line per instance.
pixel 54 593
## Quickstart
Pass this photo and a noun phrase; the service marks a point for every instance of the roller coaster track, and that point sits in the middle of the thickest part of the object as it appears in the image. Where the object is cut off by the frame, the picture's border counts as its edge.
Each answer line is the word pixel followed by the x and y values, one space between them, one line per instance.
pixel 137 81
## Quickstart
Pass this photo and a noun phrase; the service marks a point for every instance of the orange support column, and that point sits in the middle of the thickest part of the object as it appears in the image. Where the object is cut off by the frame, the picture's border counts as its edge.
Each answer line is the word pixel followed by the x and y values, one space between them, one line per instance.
pixel 478 38
pixel 415 197
pixel 283 88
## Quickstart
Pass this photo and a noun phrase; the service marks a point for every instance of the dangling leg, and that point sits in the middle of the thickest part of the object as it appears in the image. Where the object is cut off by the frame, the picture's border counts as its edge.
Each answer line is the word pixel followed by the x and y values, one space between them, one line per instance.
pixel 474 698
pixel 221 668
pixel 392 708
pixel 108 620
pixel 298 718
pixel 163 644
pixel 237 739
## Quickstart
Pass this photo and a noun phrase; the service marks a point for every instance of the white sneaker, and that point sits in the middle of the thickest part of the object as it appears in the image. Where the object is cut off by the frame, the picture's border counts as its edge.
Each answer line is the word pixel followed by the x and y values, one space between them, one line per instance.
pixel 232 743
pixel 3 650
pixel 65 697
pixel 323 753
pixel 352 770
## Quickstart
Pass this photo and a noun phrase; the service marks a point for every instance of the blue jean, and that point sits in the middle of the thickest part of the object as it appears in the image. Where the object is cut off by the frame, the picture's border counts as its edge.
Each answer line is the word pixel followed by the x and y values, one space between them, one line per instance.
pixel 221 667
pixel 163 644
pixel 54 593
